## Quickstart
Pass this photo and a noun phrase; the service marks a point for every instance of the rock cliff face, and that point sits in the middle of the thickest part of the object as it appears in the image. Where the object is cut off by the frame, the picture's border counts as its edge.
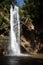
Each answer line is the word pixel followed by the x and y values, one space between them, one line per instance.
pixel 35 37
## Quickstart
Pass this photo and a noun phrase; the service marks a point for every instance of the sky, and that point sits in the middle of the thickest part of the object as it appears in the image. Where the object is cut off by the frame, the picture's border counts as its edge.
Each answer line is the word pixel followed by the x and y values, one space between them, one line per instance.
pixel 20 2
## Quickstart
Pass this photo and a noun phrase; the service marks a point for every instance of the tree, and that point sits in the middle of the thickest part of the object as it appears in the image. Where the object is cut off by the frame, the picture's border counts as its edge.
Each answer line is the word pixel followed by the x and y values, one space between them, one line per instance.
pixel 33 10
pixel 4 17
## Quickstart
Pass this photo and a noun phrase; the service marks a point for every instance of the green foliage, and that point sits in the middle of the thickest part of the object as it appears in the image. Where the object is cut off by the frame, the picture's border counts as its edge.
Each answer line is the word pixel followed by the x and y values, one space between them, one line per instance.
pixel 5 9
pixel 31 8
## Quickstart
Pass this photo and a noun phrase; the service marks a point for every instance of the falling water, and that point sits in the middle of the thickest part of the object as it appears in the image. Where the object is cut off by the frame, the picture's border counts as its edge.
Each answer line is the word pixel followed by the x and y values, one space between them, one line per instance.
pixel 14 31
pixel 14 46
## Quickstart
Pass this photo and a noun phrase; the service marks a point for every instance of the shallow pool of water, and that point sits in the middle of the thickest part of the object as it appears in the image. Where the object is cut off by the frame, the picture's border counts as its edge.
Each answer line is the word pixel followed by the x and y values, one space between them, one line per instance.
pixel 13 60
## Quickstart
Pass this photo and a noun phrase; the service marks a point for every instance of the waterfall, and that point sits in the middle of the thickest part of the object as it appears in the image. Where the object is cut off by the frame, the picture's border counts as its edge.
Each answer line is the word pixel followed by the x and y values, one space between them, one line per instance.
pixel 14 31
pixel 14 45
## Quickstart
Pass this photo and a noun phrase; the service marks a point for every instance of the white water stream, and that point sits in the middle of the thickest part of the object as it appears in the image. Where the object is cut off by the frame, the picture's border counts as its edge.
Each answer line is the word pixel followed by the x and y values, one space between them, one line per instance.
pixel 14 46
